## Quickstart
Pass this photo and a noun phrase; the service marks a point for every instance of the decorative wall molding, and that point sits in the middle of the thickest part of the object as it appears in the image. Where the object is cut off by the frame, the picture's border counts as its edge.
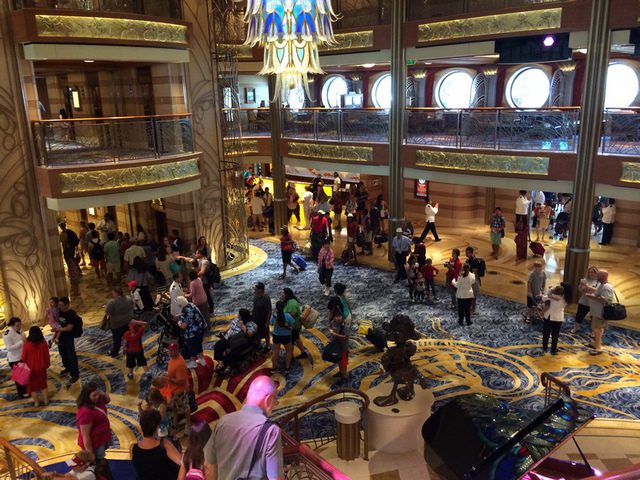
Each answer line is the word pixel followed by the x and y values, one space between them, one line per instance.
pixel 349 153
pixel 246 147
pixel 112 179
pixel 527 21
pixel 350 40
pixel 630 172
pixel 480 162
pixel 107 28
pixel 241 51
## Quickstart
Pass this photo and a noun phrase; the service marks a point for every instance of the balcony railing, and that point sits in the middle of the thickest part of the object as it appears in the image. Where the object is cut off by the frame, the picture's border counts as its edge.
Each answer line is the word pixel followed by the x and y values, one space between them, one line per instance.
pixel 156 8
pixel 111 139
pixel 248 122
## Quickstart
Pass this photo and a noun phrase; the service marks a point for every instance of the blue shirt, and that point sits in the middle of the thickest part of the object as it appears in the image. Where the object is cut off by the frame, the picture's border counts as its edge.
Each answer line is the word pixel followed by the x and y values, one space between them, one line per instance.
pixel 401 245
pixel 196 324
pixel 282 331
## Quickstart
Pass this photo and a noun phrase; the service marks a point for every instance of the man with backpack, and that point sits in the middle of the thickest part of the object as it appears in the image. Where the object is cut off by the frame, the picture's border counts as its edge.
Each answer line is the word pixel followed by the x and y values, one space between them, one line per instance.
pixel 246 444
pixel 478 267
pixel 70 328
pixel 69 241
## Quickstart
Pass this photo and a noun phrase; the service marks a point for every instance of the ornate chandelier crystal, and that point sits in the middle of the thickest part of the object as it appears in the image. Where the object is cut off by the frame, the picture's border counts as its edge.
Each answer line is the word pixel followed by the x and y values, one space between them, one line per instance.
pixel 290 32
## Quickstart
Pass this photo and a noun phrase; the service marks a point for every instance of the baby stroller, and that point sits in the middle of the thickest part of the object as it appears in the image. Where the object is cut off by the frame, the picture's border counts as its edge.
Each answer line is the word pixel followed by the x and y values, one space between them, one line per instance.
pixel 162 321
pixel 562 225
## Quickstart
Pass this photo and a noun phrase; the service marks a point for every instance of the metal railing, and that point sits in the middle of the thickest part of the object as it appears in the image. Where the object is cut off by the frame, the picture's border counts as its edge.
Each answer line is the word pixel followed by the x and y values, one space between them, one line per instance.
pixel 428 9
pixel 111 139
pixel 156 8
pixel 313 423
pixel 621 135
pixel 251 122
pixel 302 463
pixel 14 464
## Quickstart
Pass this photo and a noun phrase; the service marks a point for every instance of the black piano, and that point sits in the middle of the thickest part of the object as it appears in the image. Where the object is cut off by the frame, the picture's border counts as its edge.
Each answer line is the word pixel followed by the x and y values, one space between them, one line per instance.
pixel 478 437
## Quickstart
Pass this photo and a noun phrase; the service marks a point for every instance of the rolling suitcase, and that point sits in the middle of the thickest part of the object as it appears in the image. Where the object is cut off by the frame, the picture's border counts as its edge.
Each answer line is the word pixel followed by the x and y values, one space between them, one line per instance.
pixel 536 248
pixel 299 261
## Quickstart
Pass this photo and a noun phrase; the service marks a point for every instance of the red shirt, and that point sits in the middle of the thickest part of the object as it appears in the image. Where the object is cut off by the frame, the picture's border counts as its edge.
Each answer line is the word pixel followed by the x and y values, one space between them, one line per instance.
pixel 429 271
pixel 352 229
pixel 133 340
pixel 319 224
pixel 36 355
pixel 99 421
pixel 453 272
pixel 286 243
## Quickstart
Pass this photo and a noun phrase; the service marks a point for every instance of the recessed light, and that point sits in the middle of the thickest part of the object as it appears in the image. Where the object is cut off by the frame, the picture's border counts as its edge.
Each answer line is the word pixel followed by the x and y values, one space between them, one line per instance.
pixel 548 41
pixel 88 61
pixel 368 65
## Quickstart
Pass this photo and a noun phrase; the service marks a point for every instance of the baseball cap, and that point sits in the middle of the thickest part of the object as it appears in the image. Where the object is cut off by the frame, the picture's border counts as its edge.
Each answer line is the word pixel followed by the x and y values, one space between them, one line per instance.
pixel 132 283
pixel 399 230
pixel 321 212
pixel 259 286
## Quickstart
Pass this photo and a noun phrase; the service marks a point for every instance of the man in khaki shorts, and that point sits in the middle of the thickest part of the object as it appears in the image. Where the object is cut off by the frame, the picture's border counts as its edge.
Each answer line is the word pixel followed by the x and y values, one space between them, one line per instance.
pixel 112 257
pixel 597 300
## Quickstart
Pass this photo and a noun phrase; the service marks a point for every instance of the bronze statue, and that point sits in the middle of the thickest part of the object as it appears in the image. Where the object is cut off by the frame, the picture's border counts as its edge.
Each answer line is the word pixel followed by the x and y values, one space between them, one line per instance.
pixel 397 360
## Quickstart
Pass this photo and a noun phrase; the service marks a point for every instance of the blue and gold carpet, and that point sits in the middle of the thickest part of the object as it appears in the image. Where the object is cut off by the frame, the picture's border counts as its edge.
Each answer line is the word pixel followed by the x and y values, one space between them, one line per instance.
pixel 498 355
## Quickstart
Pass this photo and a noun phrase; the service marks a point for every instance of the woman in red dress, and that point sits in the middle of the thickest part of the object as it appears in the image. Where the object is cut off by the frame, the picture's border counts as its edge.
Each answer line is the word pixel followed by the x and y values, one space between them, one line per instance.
pixel 35 353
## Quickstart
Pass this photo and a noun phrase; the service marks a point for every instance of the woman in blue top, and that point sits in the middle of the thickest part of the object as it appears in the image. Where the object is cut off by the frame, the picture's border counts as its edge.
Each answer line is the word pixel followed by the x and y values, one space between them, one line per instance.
pixel 282 323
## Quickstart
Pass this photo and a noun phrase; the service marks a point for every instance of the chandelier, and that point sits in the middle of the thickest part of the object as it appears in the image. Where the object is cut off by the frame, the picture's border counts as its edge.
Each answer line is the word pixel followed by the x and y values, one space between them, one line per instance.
pixel 290 32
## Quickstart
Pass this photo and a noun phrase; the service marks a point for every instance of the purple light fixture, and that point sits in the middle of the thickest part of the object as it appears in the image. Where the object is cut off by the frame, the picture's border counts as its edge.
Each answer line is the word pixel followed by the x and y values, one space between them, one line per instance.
pixel 548 41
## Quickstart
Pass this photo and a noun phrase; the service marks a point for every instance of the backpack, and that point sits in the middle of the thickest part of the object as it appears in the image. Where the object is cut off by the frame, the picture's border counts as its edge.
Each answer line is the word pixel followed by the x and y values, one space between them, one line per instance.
pixel 194 474
pixel 213 274
pixel 97 251
pixel 77 328
pixel 482 267
pixel 72 238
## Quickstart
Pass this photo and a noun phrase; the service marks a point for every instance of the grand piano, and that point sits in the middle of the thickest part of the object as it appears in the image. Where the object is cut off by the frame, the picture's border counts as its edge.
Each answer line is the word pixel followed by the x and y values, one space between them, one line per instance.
pixel 478 437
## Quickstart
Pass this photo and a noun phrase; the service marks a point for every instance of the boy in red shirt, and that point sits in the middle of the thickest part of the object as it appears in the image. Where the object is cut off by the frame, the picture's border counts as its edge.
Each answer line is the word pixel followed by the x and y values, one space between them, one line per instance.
pixel 429 272
pixel 133 347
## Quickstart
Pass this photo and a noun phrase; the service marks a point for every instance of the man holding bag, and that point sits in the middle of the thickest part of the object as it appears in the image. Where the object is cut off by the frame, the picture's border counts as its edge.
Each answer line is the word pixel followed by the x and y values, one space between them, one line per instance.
pixel 597 300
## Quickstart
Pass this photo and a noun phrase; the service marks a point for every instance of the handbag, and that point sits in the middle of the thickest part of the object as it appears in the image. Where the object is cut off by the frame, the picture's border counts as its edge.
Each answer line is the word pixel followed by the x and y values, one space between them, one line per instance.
pixel 309 316
pixel 105 324
pixel 332 352
pixel 614 311
pixel 21 373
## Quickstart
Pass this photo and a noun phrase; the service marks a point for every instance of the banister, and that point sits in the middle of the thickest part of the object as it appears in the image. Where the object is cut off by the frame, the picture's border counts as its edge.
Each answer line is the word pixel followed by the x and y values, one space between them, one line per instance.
pixel 12 453
pixel 629 473
pixel 95 119
pixel 305 406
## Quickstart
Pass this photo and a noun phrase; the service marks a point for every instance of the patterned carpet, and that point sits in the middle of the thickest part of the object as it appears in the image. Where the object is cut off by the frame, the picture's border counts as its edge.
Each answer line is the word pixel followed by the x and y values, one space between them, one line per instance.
pixel 498 355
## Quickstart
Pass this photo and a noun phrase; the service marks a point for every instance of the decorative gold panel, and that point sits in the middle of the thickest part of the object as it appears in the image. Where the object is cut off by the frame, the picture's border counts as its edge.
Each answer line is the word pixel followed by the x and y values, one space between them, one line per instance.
pixel 241 50
pixel 479 162
pixel 491 25
pixel 350 40
pixel 100 180
pixel 350 153
pixel 110 28
pixel 247 147
pixel 630 172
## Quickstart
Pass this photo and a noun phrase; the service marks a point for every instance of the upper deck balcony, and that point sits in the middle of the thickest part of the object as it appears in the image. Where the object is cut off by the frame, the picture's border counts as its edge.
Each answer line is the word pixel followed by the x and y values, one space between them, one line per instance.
pixel 154 8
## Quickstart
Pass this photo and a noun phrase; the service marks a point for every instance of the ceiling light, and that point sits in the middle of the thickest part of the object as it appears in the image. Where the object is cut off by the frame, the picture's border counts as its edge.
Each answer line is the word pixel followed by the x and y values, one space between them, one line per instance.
pixel 368 65
pixel 548 41
pixel 427 63
pixel 88 61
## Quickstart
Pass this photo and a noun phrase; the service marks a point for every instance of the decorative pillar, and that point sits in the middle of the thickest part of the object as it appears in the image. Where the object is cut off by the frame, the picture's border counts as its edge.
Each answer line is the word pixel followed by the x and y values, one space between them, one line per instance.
pixel 489 204
pixel 592 106
pixel 277 165
pixel 396 120
pixel 26 279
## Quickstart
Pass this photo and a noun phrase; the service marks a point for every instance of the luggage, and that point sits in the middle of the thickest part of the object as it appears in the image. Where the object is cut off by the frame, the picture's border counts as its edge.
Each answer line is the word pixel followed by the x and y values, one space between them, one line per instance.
pixel 536 248
pixel 309 316
pixel 299 261
pixel 378 338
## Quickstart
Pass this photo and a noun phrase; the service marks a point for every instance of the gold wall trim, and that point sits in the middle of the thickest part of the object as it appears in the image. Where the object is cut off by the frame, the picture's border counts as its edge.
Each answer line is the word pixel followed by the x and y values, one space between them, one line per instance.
pixel 246 147
pixel 117 178
pixel 479 162
pixel 350 40
pixel 630 172
pixel 71 26
pixel 491 25
pixel 241 50
pixel 349 153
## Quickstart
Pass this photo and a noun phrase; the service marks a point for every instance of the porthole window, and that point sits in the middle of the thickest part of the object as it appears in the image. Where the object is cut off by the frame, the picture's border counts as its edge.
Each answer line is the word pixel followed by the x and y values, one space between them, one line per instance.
pixel 381 91
pixel 622 86
pixel 528 88
pixel 453 90
pixel 296 98
pixel 332 91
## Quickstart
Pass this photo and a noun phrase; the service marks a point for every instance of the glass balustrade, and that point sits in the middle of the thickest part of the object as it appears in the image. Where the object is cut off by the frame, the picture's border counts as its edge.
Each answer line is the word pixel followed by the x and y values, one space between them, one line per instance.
pixel 156 8
pixel 111 139
pixel 621 135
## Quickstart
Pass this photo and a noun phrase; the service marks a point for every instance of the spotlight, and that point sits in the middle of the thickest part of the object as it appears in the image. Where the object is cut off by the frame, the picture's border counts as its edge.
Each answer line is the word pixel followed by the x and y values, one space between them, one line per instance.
pixel 548 41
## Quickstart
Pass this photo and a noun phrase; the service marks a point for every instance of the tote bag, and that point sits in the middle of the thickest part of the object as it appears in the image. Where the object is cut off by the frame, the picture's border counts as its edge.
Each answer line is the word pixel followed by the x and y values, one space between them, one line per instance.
pixel 21 373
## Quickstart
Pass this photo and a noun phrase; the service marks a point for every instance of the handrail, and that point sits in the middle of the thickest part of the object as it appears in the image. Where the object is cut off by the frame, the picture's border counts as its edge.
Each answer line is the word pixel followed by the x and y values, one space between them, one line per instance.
pixel 491 109
pixel 629 473
pixel 15 461
pixel 95 119
pixel 553 387
pixel 324 469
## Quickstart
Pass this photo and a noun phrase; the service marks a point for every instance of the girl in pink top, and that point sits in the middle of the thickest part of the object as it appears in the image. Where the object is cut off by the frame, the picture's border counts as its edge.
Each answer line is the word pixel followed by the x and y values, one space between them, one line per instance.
pixel 197 295
pixel 325 265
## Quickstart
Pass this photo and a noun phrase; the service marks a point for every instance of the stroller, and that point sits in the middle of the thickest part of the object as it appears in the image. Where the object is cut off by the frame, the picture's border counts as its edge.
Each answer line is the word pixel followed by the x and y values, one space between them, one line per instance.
pixel 163 322
pixel 561 227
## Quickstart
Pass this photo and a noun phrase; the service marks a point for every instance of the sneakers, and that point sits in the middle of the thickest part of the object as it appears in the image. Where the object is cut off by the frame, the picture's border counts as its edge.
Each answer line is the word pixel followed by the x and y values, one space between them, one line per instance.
pixel 191 365
pixel 575 329
pixel 202 361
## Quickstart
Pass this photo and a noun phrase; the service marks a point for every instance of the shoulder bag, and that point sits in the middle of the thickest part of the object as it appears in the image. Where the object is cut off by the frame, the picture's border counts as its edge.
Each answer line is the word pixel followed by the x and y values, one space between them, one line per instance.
pixel 258 448
pixel 614 311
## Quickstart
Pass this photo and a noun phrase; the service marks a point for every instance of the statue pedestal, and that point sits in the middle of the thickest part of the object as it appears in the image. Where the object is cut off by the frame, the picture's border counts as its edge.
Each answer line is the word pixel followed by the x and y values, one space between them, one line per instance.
pixel 396 429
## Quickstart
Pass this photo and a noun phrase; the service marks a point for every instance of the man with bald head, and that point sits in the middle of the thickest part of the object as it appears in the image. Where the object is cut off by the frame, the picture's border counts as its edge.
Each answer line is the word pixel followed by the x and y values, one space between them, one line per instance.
pixel 245 444
pixel 603 294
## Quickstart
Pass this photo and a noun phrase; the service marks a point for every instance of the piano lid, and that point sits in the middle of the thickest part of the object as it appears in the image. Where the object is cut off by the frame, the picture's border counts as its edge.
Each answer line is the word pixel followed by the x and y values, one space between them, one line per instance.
pixel 476 436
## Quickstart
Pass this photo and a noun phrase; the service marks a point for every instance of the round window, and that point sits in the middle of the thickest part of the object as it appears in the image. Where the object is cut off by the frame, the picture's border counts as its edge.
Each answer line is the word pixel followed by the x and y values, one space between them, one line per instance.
pixel 333 90
pixel 622 86
pixel 381 91
pixel 528 88
pixel 454 90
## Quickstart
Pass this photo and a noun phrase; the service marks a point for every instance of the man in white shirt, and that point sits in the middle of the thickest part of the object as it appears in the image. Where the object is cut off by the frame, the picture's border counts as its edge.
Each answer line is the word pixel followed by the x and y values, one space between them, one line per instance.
pixel 337 183
pixel 522 207
pixel 401 248
pixel 175 291
pixel 307 205
pixel 135 250
pixel 608 220
pixel 105 226
pixel 257 204
pixel 430 212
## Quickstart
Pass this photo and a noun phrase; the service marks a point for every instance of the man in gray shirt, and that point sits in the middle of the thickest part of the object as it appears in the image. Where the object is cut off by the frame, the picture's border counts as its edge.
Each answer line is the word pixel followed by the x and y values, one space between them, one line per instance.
pixel 230 451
